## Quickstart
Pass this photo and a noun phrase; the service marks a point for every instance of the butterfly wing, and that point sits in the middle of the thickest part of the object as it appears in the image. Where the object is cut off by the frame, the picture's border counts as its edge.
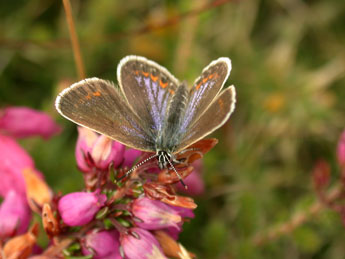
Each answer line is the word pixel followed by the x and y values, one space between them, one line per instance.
pixel 214 117
pixel 205 89
pixel 97 105
pixel 148 88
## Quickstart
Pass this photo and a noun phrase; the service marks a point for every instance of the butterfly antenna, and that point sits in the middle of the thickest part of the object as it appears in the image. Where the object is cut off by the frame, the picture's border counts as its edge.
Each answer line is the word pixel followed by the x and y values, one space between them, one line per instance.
pixel 135 167
pixel 178 175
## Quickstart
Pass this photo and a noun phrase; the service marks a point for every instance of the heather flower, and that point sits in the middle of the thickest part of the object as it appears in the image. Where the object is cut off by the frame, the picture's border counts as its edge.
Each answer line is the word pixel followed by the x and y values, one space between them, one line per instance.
pixel 170 247
pixel 341 150
pixel 14 159
pixel 94 150
pixel 14 215
pixel 130 156
pixel 140 243
pixel 37 190
pixel 21 246
pixel 154 214
pixel 79 208
pixel 194 181
pixel 36 123
pixel 102 244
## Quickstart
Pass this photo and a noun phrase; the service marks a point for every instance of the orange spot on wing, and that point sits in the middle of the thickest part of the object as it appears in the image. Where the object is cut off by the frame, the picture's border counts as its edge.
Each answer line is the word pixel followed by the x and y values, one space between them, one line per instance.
pixel 154 78
pixel 198 86
pixel 145 74
pixel 221 103
pixel 88 97
pixel 171 91
pixel 211 76
pixel 205 80
pixel 97 93
pixel 136 72
pixel 163 85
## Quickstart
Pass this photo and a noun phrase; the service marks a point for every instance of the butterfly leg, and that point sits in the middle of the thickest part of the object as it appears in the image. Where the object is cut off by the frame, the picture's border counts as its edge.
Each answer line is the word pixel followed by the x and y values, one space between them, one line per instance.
pixel 178 175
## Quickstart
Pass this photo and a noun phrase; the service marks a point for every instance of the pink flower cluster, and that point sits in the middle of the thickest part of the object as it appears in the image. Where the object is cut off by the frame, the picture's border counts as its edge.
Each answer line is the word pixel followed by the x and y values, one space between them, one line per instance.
pixel 145 218
pixel 140 217
pixel 17 169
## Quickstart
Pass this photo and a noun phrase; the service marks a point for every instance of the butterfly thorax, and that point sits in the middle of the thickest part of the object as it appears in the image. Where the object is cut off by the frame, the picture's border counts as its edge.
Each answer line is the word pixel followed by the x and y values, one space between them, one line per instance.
pixel 170 135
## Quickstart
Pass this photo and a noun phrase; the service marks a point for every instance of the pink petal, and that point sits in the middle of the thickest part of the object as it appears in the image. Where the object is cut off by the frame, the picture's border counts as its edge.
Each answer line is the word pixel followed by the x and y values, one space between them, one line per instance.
pixel 103 244
pixel 145 245
pixel 155 214
pixel 106 151
pixel 79 208
pixel 130 156
pixel 14 215
pixel 13 159
pixel 85 142
pixel 341 150
pixel 194 181
pixel 21 122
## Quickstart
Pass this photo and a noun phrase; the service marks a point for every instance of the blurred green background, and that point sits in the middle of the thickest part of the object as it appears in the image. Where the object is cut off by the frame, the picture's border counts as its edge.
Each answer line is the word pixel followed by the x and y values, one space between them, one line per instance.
pixel 288 60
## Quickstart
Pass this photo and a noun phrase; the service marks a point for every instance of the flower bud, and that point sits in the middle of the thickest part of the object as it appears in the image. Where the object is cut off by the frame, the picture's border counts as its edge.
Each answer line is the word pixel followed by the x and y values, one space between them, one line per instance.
pixel 170 247
pixel 140 243
pixel 103 244
pixel 21 246
pixel 37 190
pixel 36 123
pixel 154 214
pixel 14 215
pixel 94 150
pixel 79 208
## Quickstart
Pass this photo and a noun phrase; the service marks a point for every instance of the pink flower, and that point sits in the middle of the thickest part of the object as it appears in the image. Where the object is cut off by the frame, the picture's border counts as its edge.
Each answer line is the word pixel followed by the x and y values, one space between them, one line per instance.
pixel 14 215
pixel 130 156
pixel 102 245
pixel 341 150
pixel 184 213
pixel 14 159
pixel 94 150
pixel 140 243
pixel 21 122
pixel 193 181
pixel 155 214
pixel 79 208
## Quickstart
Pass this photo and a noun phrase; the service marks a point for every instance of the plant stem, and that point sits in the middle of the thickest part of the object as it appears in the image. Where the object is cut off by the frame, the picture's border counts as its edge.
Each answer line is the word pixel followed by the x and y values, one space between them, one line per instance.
pixel 298 219
pixel 74 39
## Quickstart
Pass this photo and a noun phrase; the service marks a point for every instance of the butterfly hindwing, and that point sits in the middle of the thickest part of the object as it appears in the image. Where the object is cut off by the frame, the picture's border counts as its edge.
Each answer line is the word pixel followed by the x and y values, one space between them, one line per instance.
pixel 148 89
pixel 214 117
pixel 205 89
pixel 97 104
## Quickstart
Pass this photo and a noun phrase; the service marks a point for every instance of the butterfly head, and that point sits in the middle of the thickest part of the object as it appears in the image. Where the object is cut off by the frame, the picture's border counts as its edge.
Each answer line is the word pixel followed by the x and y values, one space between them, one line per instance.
pixel 164 159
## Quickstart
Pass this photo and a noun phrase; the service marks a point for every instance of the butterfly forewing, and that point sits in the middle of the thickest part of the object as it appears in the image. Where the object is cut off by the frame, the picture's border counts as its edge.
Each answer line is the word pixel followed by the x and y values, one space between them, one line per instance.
pixel 205 89
pixel 214 117
pixel 97 104
pixel 148 88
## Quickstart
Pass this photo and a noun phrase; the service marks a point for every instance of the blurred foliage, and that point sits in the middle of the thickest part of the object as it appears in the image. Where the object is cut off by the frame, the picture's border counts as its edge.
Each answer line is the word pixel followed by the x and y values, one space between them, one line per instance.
pixel 288 61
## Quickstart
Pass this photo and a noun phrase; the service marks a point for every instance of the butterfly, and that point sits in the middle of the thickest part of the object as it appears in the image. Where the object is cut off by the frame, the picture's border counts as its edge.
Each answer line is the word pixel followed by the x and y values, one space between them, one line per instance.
pixel 151 110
